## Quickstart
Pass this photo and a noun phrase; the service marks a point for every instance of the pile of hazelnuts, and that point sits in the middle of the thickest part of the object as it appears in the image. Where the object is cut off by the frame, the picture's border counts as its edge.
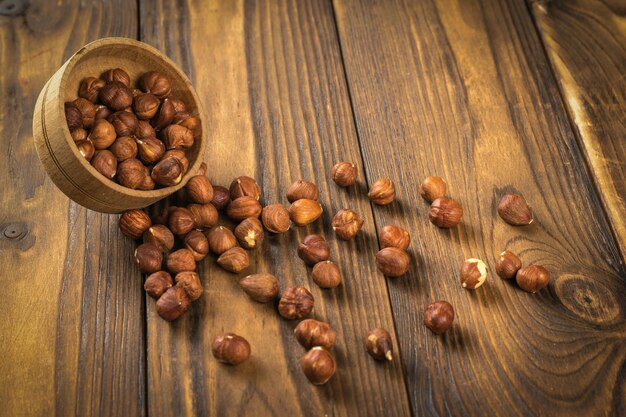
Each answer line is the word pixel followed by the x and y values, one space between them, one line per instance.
pixel 134 136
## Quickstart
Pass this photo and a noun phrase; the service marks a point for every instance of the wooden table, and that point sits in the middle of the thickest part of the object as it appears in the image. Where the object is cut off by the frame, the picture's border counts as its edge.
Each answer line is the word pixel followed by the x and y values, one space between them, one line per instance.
pixel 493 95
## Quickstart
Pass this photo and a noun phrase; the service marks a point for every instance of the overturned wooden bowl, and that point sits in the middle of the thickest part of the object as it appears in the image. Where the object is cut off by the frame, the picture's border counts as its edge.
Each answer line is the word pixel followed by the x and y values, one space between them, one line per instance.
pixel 67 168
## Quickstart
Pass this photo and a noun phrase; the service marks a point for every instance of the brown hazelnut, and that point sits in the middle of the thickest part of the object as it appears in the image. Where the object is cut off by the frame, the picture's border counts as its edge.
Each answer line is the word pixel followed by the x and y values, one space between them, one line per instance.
pixel 180 155
pixel 102 112
pixel 433 188
pixel 169 171
pixel 275 218
pixel 382 192
pixel 311 333
pixel 445 213
pixel 318 365
pixel 202 169
pixel 116 96
pixel 344 174
pixel 73 117
pixel 190 282
pixel 347 224
pixel 244 187
pixel 147 183
pixel 116 74
pixel 296 303
pixel 180 260
pixel 304 211
pixel 313 249
pixel 532 278
pixel 144 130
pixel 90 87
pixel 157 283
pixel 123 122
pixel 243 208
pixel 221 197
pixel 204 215
pixel 199 189
pixel 131 173
pixel 514 210
pixel 180 221
pixel 159 236
pixel 326 274
pixel 473 273
pixel 177 137
pixel 221 239
pixel 394 236
pixel 105 163
pixel 438 317
pixel 234 260
pixel 86 149
pixel 378 344
pixel 197 243
pixel 102 134
pixel 148 258
pixel 507 265
pixel 249 233
pixel 231 349
pixel 302 189
pixel 173 303
pixel 155 83
pixel 145 106
pixel 79 135
pixel 393 262
pixel 164 115
pixel 87 110
pixel 260 287
pixel 179 105
pixel 151 150
pixel 123 148
pixel 133 223
pixel 186 119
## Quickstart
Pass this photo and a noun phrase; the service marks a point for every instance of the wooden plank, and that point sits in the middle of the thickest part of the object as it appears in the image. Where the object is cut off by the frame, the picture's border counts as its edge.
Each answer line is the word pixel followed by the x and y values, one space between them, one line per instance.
pixel 277 108
pixel 462 89
pixel 72 318
pixel 586 44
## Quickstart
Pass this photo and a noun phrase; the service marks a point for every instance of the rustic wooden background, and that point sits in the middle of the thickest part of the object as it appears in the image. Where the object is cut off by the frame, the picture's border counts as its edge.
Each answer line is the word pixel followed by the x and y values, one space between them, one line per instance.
pixel 493 95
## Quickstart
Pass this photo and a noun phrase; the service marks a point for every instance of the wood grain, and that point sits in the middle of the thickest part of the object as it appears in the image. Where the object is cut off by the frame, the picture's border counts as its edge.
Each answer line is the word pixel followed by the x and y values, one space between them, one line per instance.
pixel 72 311
pixel 463 89
pixel 586 45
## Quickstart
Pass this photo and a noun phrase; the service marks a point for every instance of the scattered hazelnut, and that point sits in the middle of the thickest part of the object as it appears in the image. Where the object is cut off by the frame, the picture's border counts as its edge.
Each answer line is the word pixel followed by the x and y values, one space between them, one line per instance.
pixel 382 192
pixel 221 197
pixel 87 110
pixel 249 233
pixel 344 174
pixel 221 239
pixel 123 148
pixel 197 243
pixel 79 135
pixel 144 130
pixel 180 155
pixel 433 188
pixel 159 236
pixel 133 223
pixel 244 187
pixel 177 137
pixel 148 258
pixel 180 220
pixel 378 344
pixel 116 96
pixel 231 349
pixel 151 150
pixel 86 149
pixel 204 215
pixel 296 303
pixel 168 171
pixel 131 173
pixel 102 134
pixel 190 282
pixel 394 236
pixel 276 218
pixel 199 190
pixel 393 262
pixel 514 210
pixel 173 303
pixel 302 189
pixel 116 74
pixel 234 260
pixel 260 287
pixel 532 278
pixel 445 213
pixel 347 224
pixel 157 283
pixel 90 87
pixel 318 365
pixel 473 273
pixel 311 333
pixel 180 261
pixel 105 163
pixel 145 106
pixel 438 317
pixel 326 274
pixel 155 83
pixel 243 207
pixel 313 249
pixel 507 265
pixel 305 211
pixel 73 117
pixel 164 116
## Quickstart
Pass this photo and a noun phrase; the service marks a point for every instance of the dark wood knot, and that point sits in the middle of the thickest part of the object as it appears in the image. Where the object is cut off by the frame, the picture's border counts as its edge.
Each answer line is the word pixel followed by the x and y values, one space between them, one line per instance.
pixel 13 7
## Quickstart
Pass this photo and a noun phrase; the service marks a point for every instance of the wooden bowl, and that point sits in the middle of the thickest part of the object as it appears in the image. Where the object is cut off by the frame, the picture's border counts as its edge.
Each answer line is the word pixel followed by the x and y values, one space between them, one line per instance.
pixel 72 173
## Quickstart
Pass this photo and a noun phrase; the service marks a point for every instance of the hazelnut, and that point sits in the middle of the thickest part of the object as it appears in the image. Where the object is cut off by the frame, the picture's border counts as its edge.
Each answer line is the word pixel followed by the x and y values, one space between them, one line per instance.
pixel 221 239
pixel 199 190
pixel 105 163
pixel 155 83
pixel 382 192
pixel 159 236
pixel 164 115
pixel 123 122
pixel 347 224
pixel 394 236
pixel 243 208
pixel 204 215
pixel 123 148
pixel 186 119
pixel 73 117
pixel 116 74
pixel 296 303
pixel 514 210
pixel 168 171
pixel 244 187
pixel 179 105
pixel 313 249
pixel 180 155
pixel 311 333
pixel 260 287
pixel 116 96
pixel 133 223
pixel 249 233
pixel 378 344
pixel 438 317
pixel 90 87
pixel 507 265
pixel 86 149
pixel 144 130
pixel 180 220
pixel 276 218
pixel 473 273
pixel 151 150
pixel 318 365
pixel 234 260
pixel 231 349
pixel 147 183
pixel 445 213
pixel 305 211
pixel 190 282
pixel 326 274
pixel 393 262
pixel 145 106
pixel 197 243
pixel 173 303
pixel 180 261
pixel 432 188
pixel 221 197
pixel 344 174
pixel 302 189
pixel 102 134
pixel 148 258
pixel 157 283
pixel 102 112
pixel 532 278
pixel 79 135
pixel 131 173
pixel 177 137
pixel 87 110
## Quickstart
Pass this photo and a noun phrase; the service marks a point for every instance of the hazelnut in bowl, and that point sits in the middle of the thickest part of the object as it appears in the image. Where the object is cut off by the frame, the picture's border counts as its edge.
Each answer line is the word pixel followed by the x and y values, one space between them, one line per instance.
pixel 119 126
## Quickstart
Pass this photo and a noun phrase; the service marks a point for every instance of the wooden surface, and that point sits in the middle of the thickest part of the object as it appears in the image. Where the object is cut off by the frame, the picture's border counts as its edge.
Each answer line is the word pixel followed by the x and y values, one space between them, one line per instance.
pixel 468 90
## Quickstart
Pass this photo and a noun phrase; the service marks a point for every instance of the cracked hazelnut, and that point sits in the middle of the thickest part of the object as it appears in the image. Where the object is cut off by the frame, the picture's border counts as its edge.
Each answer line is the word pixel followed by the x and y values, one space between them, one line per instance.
pixel 151 150
pixel 445 213
pixel 313 249
pixel 87 110
pixel 296 303
pixel 116 96
pixel 79 135
pixel 347 224
pixel 173 303
pixel 190 282
pixel 102 134
pixel 302 189
pixel 148 258
pixel 318 365
pixel 378 344
pixel 276 218
pixel 73 117
pixel 305 211
pixel 249 233
pixel 159 236
pixel 532 278
pixel 86 149
pixel 326 274
pixel 221 197
pixel 131 173
pixel 393 262
pixel 438 317
pixel 260 287
pixel 105 163
pixel 133 223
pixel 123 148
pixel 514 210
pixel 164 115
pixel 116 74
pixel 345 174
pixel 90 88
pixel 243 208
pixel 204 215
pixel 168 171
pixel 180 220
pixel 473 273
pixel 382 192
pixel 144 130
pixel 231 349
pixel 180 261
pixel 177 137
pixel 507 265
pixel 199 190
pixel 197 243
pixel 221 239
pixel 311 333
pixel 157 283
pixel 394 236
pixel 234 260
pixel 433 188
pixel 155 83
pixel 145 106
pixel 244 187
